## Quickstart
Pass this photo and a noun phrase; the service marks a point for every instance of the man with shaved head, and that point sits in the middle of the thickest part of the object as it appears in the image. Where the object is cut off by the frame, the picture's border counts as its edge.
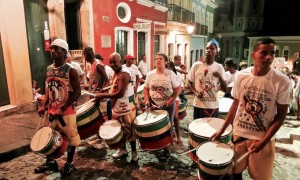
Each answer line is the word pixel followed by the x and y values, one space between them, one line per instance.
pixel 124 108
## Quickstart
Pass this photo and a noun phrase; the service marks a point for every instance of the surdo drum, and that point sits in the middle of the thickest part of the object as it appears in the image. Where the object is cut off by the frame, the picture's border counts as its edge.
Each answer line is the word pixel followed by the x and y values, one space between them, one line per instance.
pixel 154 130
pixel 215 160
pixel 48 142
pixel 182 110
pixel 224 106
pixel 88 119
pixel 200 130
pixel 112 134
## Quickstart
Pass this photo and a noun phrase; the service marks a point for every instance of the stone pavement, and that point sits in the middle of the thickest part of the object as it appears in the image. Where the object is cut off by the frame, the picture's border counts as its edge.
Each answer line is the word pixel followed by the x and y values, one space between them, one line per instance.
pixel 17 160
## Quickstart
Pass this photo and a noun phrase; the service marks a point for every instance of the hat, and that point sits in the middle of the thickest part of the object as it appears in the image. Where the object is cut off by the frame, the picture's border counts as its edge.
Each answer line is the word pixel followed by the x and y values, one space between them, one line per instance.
pixel 61 43
pixel 129 56
pixel 213 41
pixel 243 64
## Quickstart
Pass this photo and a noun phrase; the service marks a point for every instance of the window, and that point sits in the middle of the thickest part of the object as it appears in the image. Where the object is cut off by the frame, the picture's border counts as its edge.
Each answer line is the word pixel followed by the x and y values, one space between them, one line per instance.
pixel 286 54
pixel 156 44
pixel 121 43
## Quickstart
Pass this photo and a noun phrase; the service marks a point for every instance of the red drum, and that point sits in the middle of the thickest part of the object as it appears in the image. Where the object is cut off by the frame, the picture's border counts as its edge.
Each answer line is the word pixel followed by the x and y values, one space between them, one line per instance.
pixel 112 134
pixel 154 130
pixel 89 119
pixel 200 130
pixel 49 142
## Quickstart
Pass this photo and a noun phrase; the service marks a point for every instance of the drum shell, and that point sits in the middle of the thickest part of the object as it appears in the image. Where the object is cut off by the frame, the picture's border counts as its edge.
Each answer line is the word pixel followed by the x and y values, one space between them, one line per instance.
pixel 156 135
pixel 89 120
pixel 182 110
pixel 195 139
pixel 55 146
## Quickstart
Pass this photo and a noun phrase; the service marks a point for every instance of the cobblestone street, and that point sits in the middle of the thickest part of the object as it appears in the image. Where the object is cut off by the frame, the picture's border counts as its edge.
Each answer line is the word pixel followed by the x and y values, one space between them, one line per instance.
pixel 91 163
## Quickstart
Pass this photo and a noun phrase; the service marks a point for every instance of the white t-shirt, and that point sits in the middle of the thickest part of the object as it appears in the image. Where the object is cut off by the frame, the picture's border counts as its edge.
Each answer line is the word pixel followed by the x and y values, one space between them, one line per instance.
pixel 230 78
pixel 109 72
pixel 143 67
pixel 161 85
pixel 134 71
pixel 202 77
pixel 257 97
pixel 77 67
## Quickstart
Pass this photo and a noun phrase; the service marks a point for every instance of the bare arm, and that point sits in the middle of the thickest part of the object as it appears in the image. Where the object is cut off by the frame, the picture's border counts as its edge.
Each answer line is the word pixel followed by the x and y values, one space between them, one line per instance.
pixel 103 75
pixel 176 92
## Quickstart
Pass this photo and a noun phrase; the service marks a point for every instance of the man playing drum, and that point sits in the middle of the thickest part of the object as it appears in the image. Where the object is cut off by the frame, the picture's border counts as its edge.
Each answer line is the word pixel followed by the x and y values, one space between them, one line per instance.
pixel 205 80
pixel 124 109
pixel 62 91
pixel 261 98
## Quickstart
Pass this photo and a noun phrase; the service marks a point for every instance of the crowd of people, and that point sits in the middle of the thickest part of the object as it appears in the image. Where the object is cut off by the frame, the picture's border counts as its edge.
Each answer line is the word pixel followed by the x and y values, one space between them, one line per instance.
pixel 262 96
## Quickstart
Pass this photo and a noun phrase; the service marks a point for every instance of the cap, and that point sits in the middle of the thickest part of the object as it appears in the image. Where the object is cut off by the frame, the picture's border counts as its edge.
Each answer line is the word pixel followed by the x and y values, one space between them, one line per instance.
pixel 61 43
pixel 243 64
pixel 129 56
pixel 214 41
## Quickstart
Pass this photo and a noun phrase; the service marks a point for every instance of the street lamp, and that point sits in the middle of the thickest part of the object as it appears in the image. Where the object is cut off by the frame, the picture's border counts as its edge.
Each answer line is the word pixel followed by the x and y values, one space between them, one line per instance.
pixel 190 29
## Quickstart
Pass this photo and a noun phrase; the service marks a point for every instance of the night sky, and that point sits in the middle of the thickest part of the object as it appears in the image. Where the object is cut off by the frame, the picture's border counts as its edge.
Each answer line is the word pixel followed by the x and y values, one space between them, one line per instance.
pixel 282 18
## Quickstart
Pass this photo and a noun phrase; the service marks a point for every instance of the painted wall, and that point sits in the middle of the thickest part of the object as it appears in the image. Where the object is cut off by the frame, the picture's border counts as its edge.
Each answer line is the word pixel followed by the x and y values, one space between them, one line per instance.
pixel 15 51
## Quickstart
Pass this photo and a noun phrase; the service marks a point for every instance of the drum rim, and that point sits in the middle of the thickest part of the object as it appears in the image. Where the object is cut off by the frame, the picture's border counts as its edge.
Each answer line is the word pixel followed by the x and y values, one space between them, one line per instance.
pixel 136 119
pixel 107 123
pixel 86 110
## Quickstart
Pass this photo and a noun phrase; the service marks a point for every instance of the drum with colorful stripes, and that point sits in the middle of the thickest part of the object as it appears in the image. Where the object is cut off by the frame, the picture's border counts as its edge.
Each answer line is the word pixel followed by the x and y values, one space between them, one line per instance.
pixel 89 119
pixel 215 160
pixel 200 130
pixel 49 142
pixel 140 94
pixel 112 134
pixel 182 110
pixel 154 130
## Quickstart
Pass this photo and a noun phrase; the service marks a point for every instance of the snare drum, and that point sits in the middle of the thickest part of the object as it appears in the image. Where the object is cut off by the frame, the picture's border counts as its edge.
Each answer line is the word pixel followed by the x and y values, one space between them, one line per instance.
pixel 48 142
pixel 182 110
pixel 200 130
pixel 112 134
pixel 140 94
pixel 89 119
pixel 215 160
pixel 154 130
pixel 224 106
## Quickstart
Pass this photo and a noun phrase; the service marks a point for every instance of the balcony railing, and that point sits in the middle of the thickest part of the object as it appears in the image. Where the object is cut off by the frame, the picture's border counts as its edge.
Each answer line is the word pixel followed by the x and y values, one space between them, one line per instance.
pixel 200 29
pixel 179 14
pixel 161 2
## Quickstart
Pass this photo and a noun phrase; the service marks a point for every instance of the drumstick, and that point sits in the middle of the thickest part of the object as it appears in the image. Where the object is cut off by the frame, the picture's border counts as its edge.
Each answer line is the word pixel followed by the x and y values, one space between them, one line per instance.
pixel 86 92
pixel 242 157
pixel 188 151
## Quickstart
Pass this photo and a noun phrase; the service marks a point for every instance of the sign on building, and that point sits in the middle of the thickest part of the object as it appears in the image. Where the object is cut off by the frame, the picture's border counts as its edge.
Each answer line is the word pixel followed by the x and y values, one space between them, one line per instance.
pixel 142 26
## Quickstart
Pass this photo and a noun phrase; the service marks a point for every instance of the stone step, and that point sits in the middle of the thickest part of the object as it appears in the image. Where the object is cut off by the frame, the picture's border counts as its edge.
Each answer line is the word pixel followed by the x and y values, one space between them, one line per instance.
pixel 295 134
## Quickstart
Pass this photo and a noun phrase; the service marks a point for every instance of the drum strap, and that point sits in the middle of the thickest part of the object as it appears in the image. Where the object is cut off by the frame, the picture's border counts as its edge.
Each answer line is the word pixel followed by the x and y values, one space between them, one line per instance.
pixel 59 118
pixel 210 114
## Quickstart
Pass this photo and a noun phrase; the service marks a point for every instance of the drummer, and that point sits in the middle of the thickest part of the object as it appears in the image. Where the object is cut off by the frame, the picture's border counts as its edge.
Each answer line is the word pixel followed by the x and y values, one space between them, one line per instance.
pixel 124 109
pixel 61 104
pixel 205 80
pixel 162 87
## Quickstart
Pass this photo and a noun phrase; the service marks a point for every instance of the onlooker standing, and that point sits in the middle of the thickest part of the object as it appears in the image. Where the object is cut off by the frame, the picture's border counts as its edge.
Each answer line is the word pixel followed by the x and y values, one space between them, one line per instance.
pixel 181 71
pixel 261 98
pixel 133 69
pixel 76 66
pixel 62 91
pixel 206 79
pixel 230 75
pixel 143 67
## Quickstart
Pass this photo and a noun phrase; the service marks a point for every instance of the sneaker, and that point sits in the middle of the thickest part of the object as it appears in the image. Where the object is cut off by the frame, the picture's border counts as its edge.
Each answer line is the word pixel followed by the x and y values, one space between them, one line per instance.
pixel 67 169
pixel 48 166
pixel 120 153
pixel 134 156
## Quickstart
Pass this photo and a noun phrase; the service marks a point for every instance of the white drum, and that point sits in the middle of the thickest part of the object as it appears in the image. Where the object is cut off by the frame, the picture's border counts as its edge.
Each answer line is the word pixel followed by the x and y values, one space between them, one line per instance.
pixel 140 94
pixel 112 134
pixel 225 104
pixel 215 159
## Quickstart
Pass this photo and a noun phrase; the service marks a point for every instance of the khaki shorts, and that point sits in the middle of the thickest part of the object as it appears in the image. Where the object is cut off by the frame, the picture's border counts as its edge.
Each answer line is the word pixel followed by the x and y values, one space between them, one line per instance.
pixel 260 165
pixel 70 130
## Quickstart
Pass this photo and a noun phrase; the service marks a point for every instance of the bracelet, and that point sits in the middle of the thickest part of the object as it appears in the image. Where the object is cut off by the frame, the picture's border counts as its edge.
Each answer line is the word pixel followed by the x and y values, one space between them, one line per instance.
pixel 63 108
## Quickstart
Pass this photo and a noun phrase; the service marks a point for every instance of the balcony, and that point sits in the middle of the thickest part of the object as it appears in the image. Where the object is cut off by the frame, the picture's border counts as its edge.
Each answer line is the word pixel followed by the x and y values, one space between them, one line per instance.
pixel 179 14
pixel 161 2
pixel 200 29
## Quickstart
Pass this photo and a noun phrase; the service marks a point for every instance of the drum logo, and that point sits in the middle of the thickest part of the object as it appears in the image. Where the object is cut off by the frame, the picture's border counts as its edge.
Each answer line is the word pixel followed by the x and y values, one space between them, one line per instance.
pixel 58 140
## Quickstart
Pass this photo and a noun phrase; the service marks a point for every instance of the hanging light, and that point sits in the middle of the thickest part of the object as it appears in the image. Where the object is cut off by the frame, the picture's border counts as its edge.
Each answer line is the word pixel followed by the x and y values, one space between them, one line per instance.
pixel 190 28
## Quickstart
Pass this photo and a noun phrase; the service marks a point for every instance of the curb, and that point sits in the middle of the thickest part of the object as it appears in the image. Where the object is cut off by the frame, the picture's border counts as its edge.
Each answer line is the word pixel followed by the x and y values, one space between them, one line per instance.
pixel 15 152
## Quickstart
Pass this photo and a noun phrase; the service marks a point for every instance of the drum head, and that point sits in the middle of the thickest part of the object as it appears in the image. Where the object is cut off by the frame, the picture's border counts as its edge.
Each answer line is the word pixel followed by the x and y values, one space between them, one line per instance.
pixel 140 88
pixel 41 139
pixel 150 117
pixel 206 127
pixel 225 104
pixel 110 129
pixel 85 107
pixel 215 153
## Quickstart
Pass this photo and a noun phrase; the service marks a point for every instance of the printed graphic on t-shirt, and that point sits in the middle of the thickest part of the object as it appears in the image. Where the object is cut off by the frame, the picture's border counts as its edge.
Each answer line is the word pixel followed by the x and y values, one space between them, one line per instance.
pixel 58 93
pixel 160 92
pixel 207 86
pixel 253 109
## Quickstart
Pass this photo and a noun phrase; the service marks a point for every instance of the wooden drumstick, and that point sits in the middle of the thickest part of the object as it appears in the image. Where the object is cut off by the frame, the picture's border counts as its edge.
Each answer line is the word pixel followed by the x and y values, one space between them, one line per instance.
pixel 242 158
pixel 86 103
